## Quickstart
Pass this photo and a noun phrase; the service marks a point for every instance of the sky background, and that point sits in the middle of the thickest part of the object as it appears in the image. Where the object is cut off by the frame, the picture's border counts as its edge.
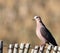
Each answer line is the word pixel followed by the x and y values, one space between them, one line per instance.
pixel 16 23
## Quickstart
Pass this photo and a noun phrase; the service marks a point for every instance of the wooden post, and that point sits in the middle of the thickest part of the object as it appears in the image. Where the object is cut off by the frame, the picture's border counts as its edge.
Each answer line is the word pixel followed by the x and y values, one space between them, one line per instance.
pixel 27 46
pixel 41 50
pixel 1 46
pixel 49 49
pixel 21 48
pixel 58 49
pixel 55 49
pixel 36 49
pixel 32 50
pixel 10 48
pixel 16 48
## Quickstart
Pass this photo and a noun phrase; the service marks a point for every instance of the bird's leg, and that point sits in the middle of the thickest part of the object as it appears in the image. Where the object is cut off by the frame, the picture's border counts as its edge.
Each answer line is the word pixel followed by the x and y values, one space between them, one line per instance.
pixel 43 44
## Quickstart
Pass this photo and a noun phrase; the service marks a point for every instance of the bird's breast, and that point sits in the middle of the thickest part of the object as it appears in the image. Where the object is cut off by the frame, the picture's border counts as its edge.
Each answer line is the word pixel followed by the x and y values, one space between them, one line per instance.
pixel 38 33
pixel 38 27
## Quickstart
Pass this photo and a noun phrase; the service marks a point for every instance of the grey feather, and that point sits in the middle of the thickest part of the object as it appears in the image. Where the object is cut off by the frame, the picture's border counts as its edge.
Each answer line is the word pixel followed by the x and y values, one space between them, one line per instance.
pixel 48 36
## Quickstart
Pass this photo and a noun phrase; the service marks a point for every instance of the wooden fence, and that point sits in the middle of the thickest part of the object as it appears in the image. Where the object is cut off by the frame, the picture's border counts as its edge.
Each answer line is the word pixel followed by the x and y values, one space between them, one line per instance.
pixel 26 48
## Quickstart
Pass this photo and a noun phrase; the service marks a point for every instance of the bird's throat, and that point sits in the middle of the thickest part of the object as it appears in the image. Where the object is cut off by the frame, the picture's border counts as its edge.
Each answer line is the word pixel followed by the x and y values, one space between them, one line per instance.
pixel 38 24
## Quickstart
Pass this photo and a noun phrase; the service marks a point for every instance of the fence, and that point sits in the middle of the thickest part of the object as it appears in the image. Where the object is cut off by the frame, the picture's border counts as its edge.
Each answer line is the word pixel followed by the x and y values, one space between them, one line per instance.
pixel 26 48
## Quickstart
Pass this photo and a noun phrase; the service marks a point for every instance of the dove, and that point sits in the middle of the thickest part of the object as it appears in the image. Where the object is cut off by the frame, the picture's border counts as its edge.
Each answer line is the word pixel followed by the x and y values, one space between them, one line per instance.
pixel 43 33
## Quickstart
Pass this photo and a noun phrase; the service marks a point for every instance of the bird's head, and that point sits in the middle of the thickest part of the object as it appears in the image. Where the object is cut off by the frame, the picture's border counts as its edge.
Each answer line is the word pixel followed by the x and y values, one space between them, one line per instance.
pixel 37 18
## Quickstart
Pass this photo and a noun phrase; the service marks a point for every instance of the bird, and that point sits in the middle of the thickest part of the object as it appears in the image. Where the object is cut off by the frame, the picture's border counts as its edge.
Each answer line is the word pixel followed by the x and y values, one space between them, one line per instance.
pixel 43 33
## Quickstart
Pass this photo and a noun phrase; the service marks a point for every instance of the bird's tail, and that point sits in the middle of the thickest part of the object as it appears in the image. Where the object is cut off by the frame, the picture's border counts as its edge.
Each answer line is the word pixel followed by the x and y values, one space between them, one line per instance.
pixel 54 44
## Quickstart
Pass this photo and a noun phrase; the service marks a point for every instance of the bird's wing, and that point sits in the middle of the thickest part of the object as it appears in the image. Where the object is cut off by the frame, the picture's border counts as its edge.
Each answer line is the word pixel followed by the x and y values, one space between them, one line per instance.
pixel 47 35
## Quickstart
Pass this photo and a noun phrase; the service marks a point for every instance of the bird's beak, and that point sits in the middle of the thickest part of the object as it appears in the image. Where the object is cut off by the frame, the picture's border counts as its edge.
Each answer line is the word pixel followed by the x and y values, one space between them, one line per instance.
pixel 33 19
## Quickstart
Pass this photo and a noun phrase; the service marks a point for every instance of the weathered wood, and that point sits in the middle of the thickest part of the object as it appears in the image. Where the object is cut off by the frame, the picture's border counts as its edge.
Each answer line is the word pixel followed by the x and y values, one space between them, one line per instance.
pixel 27 46
pixel 32 50
pixel 10 48
pixel 49 49
pixel 36 49
pixel 1 46
pixel 15 48
pixel 21 48
pixel 55 49
pixel 58 49
pixel 41 50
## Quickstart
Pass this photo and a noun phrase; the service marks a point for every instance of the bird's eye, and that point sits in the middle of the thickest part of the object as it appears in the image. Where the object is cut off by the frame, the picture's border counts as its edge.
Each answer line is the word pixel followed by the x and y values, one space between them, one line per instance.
pixel 36 17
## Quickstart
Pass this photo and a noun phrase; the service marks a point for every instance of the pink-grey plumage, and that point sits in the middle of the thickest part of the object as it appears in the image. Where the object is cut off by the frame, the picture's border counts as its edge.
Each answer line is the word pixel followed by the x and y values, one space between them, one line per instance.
pixel 43 33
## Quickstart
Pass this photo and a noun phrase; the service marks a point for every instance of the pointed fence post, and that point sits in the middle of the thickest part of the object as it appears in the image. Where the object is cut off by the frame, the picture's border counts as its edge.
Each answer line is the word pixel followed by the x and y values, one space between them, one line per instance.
pixel 1 46
pixel 58 49
pixel 55 49
pixel 10 48
pixel 32 50
pixel 21 48
pixel 36 49
pixel 16 48
pixel 26 49
pixel 41 50
pixel 49 49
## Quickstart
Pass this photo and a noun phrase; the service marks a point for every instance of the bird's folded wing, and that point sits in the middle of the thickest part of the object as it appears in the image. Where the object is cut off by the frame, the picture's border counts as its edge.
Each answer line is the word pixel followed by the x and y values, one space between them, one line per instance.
pixel 47 35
